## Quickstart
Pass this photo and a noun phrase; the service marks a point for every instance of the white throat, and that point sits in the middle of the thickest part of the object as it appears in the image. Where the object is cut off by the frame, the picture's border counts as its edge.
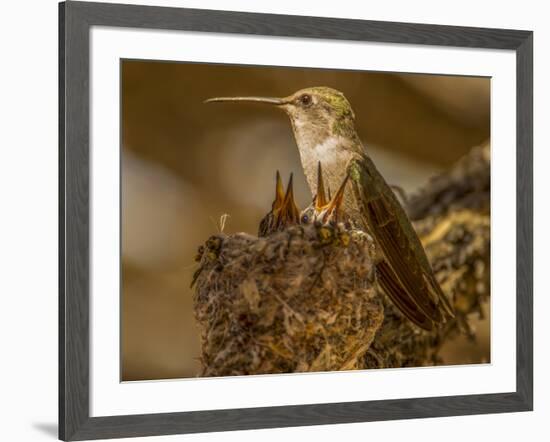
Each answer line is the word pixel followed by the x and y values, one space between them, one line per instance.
pixel 333 157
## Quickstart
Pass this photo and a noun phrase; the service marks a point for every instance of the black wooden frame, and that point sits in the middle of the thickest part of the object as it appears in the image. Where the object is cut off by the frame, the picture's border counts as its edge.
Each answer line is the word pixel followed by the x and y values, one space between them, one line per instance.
pixel 75 20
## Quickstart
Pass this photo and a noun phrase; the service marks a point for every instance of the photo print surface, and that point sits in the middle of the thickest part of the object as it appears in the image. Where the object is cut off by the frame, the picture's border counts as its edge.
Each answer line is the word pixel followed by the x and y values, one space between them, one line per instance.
pixel 284 220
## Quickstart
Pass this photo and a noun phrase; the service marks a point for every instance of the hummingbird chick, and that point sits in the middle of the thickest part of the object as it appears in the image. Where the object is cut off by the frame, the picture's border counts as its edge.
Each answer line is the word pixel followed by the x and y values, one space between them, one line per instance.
pixel 323 123
pixel 325 210
pixel 284 211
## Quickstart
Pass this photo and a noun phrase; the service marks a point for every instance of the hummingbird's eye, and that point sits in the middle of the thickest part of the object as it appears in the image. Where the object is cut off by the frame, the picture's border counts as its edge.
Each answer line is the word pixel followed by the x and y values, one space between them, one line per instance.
pixel 306 99
pixel 305 219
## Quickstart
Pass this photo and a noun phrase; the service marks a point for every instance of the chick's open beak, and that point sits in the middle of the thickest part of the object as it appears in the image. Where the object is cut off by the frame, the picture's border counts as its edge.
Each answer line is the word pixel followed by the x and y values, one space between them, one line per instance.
pixel 320 198
pixel 279 193
pixel 289 213
pixel 333 208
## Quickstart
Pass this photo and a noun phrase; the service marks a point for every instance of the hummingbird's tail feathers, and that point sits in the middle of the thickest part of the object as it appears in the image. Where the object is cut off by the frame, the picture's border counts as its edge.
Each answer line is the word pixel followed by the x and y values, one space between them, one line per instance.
pixel 389 283
pixel 445 303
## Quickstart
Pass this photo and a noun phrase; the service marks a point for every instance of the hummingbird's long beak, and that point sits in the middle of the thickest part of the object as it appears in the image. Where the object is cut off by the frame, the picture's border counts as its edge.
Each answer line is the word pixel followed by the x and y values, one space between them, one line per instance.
pixel 266 100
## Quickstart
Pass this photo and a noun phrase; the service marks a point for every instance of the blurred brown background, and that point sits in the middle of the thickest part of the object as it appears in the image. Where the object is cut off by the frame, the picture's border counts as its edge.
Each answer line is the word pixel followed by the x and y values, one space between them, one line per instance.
pixel 185 163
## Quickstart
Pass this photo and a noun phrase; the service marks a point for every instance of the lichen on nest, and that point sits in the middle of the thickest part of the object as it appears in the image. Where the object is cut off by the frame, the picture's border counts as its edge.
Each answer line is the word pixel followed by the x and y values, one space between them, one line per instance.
pixel 299 300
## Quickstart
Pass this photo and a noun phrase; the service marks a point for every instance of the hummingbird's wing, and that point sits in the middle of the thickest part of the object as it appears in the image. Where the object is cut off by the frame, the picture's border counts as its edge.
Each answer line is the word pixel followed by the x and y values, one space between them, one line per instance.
pixel 400 257
pixel 391 286
pixel 404 257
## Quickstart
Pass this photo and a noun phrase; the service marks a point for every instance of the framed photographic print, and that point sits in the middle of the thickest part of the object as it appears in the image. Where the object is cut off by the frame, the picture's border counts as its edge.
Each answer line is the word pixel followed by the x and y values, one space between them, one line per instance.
pixel 271 221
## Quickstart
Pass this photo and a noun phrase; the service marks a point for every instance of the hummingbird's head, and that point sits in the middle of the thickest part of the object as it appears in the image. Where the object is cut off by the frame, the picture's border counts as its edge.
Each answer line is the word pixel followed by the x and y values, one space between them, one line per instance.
pixel 316 113
pixel 320 109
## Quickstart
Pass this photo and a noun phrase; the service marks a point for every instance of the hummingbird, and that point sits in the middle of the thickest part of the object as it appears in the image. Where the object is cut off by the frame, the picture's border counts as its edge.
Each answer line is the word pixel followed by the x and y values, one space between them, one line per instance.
pixel 323 123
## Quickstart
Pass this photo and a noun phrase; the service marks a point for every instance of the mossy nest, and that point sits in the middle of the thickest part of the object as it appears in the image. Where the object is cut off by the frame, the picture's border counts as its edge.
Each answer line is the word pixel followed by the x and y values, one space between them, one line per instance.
pixel 299 300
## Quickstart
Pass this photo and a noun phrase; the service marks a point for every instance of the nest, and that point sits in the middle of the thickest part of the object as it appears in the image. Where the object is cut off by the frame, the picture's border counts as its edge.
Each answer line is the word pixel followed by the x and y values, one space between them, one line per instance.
pixel 305 299
pixel 299 300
